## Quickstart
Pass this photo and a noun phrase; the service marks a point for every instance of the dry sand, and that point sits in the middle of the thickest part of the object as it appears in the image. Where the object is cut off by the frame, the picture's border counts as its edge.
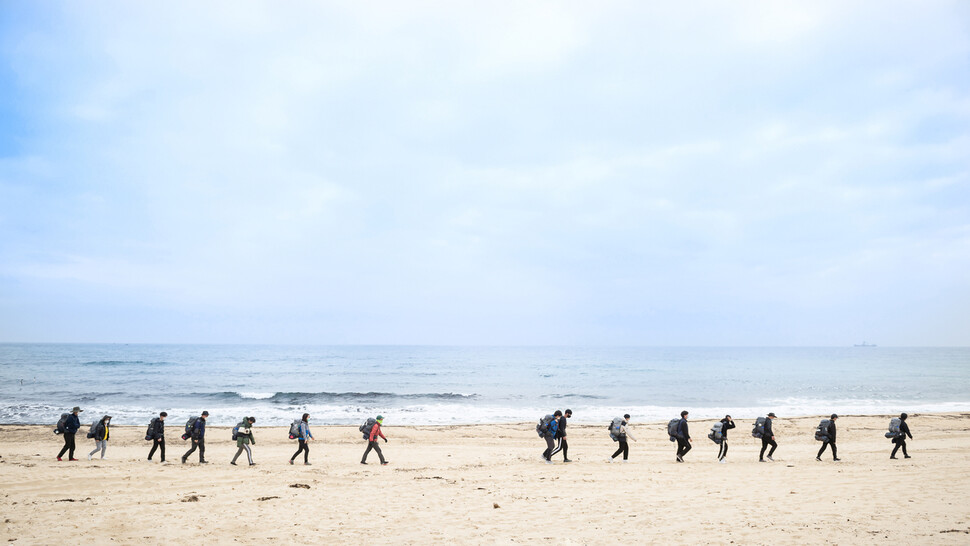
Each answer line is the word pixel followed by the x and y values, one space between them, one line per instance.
pixel 487 484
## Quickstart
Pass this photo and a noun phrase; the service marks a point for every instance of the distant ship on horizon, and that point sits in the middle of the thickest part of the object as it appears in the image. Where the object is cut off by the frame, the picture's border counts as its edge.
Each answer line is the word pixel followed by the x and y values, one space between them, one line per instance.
pixel 864 344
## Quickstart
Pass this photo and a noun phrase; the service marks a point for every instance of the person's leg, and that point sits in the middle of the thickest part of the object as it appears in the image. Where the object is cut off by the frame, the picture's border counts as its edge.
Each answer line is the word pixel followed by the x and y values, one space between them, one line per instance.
pixel 896 445
pixel 63 449
pixel 764 446
pixel 618 450
pixel 154 447
pixel 202 450
pixel 626 450
pixel 821 450
pixel 835 452
pixel 161 448
pixel 249 454
pixel 298 451
pixel 773 445
pixel 370 446
pixel 306 452
pixel 902 444
pixel 195 445
pixel 556 449
pixel 239 451
pixel 97 447
pixel 550 445
pixel 104 448
pixel 380 455
pixel 71 447
pixel 722 452
pixel 565 448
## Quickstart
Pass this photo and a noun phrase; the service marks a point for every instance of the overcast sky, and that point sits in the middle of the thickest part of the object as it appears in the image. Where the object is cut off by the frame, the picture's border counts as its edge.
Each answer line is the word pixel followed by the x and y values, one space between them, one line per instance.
pixel 597 173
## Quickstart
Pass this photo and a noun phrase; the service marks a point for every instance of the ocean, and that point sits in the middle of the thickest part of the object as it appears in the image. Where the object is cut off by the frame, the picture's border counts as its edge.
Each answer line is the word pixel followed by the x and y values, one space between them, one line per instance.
pixel 413 385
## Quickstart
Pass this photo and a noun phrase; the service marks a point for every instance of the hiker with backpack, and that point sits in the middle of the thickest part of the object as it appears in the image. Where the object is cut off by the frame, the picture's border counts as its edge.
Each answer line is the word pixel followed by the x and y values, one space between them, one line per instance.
pixel 243 433
pixel 620 433
pixel 68 425
pixel 726 424
pixel 156 433
pixel 548 428
pixel 828 438
pixel 304 437
pixel 561 444
pixel 195 429
pixel 683 437
pixel 375 431
pixel 100 433
pixel 768 439
pixel 900 436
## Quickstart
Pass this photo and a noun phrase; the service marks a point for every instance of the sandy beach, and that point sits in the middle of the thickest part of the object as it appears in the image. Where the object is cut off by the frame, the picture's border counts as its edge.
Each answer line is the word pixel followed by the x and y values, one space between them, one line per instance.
pixel 487 484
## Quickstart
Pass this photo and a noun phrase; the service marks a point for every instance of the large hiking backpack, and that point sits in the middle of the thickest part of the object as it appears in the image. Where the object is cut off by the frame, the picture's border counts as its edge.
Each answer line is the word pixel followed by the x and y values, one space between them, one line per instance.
pixel 93 429
pixel 758 431
pixel 717 433
pixel 61 426
pixel 367 427
pixel 542 429
pixel 894 428
pixel 672 427
pixel 235 431
pixel 189 425
pixel 822 432
pixel 615 428
pixel 150 431
pixel 295 429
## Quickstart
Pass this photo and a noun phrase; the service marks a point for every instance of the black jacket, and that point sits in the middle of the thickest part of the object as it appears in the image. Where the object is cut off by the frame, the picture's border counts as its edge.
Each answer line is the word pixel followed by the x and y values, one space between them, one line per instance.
pixel 768 432
pixel 561 431
pixel 72 424
pixel 158 429
pixel 682 431
pixel 727 425
pixel 904 429
pixel 831 432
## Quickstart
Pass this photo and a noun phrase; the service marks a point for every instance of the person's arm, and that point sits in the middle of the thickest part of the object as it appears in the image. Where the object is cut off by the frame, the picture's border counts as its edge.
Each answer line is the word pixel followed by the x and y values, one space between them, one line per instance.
pixel 729 425
pixel 628 435
pixel 906 430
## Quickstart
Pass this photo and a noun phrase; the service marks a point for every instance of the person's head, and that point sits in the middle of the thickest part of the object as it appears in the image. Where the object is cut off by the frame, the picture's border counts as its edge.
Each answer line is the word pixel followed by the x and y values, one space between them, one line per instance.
pixel 306 416
pixel 380 419
pixel 568 413
pixel 771 416
pixel 683 414
pixel 626 417
pixel 727 417
pixel 557 415
pixel 162 416
pixel 251 420
pixel 903 416
pixel 834 417
pixel 204 415
pixel 106 419
pixel 76 410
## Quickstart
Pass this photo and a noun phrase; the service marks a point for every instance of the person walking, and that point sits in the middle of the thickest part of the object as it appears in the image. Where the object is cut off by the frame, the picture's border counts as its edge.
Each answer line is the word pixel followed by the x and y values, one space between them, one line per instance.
pixel 375 432
pixel 726 424
pixel 101 435
pixel 198 439
pixel 561 444
pixel 244 437
pixel 768 439
pixel 683 437
pixel 156 434
pixel 549 436
pixel 71 426
pixel 304 439
pixel 621 437
pixel 900 440
pixel 829 440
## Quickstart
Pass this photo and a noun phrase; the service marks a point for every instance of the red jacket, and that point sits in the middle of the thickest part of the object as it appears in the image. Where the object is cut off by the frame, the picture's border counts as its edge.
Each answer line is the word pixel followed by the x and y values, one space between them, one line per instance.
pixel 375 432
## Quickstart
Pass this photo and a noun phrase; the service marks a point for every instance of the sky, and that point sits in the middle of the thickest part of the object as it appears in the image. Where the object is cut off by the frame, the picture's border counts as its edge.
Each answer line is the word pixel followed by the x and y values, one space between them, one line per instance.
pixel 485 173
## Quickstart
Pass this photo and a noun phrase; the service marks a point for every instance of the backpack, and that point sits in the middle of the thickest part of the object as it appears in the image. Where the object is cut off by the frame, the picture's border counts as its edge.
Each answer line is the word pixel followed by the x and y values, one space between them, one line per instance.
pixel 367 427
pixel 822 432
pixel 672 427
pixel 542 429
pixel 189 426
pixel 615 428
pixel 150 431
pixel 759 427
pixel 235 432
pixel 295 429
pixel 93 429
pixel 717 433
pixel 894 428
pixel 62 424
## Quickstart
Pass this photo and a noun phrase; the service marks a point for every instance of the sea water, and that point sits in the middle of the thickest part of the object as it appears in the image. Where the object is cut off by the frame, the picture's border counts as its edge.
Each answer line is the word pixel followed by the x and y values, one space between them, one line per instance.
pixel 445 385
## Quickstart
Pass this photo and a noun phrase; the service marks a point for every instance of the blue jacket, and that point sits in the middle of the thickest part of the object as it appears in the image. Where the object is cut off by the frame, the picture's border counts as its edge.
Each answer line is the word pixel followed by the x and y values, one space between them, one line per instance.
pixel 198 430
pixel 72 424
pixel 305 430
pixel 553 428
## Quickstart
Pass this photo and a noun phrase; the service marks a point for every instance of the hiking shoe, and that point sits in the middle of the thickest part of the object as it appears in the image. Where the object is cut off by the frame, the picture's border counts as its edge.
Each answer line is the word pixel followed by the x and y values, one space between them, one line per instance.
pixel 59 459
pixel 252 464
pixel 680 459
pixel 770 459
pixel 836 459
pixel 203 462
pixel 183 460
pixel 819 459
pixel 291 461
pixel 722 461
pixel 233 463
pixel 89 457
pixel 907 457
pixel 362 462
pixel 548 461
pixel 308 463
pixel 891 457
pixel 72 459
pixel 385 463
pixel 567 460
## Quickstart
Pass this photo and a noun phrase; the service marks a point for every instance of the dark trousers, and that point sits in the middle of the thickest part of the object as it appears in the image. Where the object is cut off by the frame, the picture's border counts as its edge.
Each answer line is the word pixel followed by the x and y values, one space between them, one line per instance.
pixel 375 447
pixel 158 443
pixel 68 445
pixel 683 446
pixel 765 442
pixel 561 445
pixel 825 444
pixel 305 449
pixel 550 445
pixel 200 444
pixel 900 444
pixel 624 449
pixel 722 453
